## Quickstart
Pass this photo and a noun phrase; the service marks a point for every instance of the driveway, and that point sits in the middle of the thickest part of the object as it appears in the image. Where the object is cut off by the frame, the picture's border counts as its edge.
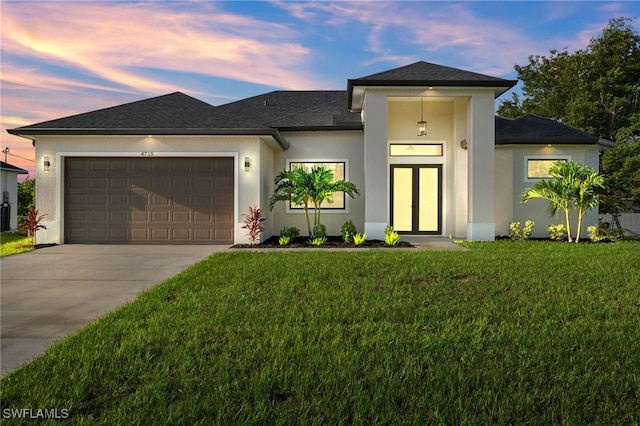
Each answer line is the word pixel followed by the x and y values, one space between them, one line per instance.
pixel 52 292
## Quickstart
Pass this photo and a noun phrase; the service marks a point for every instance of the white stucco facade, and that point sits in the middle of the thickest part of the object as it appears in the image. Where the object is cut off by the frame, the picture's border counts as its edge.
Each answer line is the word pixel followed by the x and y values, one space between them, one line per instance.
pixel 454 181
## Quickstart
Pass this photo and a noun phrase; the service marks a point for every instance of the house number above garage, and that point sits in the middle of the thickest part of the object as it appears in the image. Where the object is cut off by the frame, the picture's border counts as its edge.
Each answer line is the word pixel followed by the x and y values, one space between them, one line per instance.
pixel 147 153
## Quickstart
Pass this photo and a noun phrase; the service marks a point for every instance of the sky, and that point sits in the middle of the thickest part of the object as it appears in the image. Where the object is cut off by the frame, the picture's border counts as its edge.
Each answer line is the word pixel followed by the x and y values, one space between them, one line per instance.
pixel 60 58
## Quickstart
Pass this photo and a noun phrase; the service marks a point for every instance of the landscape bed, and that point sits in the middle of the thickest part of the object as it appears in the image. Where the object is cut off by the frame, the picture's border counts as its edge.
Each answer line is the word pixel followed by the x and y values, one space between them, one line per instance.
pixel 332 242
pixel 527 332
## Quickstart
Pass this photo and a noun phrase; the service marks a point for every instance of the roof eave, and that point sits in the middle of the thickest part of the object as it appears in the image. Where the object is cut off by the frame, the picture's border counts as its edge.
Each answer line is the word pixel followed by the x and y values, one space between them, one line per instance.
pixel 275 133
pixel 341 127
pixel 542 141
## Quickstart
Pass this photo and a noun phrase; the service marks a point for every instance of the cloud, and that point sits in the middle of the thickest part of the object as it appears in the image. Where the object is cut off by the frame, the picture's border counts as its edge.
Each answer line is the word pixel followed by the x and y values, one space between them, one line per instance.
pixel 118 43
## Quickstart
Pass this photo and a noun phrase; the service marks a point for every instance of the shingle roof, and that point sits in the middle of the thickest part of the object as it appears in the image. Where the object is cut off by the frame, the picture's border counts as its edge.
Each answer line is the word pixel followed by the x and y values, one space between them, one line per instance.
pixel 6 167
pixel 181 113
pixel 175 110
pixel 532 129
pixel 287 109
pixel 428 72
pixel 425 74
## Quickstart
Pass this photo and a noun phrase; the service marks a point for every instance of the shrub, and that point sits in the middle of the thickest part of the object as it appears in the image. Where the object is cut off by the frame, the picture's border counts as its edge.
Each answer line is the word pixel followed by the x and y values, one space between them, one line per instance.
pixel 317 241
pixel 253 222
pixel 359 239
pixel 284 240
pixel 521 234
pixel 557 232
pixel 603 232
pixel 320 231
pixel 391 237
pixel 31 223
pixel 348 231
pixel 290 231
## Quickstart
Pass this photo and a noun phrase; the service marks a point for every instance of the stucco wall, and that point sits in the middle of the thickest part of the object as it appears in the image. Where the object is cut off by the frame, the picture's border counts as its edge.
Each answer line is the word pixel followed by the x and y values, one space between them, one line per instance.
pixel 322 147
pixel 50 187
pixel 536 210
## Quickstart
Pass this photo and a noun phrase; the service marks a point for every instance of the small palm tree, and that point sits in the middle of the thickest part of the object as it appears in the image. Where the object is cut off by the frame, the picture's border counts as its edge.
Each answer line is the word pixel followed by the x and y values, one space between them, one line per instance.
pixel 308 188
pixel 293 186
pixel 572 186
pixel 323 189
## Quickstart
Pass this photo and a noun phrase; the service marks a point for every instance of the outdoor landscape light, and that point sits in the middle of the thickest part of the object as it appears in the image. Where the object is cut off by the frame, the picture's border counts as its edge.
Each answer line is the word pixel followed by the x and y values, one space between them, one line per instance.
pixel 47 163
pixel 247 164
pixel 422 125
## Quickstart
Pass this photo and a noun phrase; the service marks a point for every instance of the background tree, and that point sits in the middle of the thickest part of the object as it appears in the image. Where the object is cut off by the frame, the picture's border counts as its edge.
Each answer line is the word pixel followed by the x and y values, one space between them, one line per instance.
pixel 26 196
pixel 597 90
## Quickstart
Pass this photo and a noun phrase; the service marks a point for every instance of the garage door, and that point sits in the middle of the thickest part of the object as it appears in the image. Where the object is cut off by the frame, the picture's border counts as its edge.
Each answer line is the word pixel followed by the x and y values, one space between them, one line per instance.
pixel 149 200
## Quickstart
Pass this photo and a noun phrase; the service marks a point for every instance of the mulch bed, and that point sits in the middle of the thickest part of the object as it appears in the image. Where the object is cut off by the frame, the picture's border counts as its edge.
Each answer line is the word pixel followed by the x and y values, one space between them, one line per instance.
pixel 332 243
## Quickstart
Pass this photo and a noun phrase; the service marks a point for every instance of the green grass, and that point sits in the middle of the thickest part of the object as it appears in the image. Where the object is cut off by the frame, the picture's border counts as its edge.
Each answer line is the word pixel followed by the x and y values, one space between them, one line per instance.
pixel 504 333
pixel 14 244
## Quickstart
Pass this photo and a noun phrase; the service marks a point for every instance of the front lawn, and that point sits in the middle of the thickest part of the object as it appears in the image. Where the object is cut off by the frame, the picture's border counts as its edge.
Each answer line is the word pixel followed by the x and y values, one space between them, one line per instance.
pixel 14 244
pixel 504 333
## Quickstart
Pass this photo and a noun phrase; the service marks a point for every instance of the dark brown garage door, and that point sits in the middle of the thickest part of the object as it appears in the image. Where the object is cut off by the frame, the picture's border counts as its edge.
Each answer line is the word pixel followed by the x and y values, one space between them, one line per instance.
pixel 149 200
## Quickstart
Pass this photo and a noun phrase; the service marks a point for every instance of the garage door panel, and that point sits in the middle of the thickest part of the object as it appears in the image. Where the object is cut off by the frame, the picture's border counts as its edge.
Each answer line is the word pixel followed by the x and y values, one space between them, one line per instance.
pixel 160 216
pixel 118 234
pixel 118 217
pixel 119 183
pixel 98 200
pixel 139 234
pixel 138 201
pixel 139 216
pixel 159 200
pixel 98 165
pixel 149 200
pixel 160 234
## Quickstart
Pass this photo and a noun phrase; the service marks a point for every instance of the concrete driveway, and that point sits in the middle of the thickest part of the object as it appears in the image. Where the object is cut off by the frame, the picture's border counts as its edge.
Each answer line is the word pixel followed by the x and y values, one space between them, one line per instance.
pixel 52 292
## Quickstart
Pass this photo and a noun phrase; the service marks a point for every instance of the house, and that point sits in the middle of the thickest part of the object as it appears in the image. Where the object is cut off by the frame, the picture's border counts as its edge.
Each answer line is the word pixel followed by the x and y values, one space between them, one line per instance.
pixel 9 206
pixel 176 170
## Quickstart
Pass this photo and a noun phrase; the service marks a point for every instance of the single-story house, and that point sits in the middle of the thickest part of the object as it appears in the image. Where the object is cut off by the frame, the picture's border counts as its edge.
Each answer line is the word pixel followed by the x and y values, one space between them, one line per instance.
pixel 9 206
pixel 421 142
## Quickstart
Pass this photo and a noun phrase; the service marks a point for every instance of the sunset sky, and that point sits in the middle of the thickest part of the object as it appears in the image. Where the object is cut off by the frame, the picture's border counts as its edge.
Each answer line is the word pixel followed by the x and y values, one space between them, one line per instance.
pixel 61 58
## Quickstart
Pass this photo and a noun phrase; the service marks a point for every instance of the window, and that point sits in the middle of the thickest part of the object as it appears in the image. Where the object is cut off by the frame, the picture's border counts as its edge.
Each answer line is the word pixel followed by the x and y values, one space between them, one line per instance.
pixel 338 169
pixel 415 150
pixel 538 168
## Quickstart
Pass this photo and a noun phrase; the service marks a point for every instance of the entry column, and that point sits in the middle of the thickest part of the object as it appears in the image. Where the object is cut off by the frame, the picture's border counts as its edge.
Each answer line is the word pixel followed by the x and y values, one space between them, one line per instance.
pixel 481 225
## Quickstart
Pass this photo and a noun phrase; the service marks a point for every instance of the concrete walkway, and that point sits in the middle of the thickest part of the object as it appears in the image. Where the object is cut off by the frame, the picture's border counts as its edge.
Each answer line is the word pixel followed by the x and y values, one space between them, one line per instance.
pixel 52 292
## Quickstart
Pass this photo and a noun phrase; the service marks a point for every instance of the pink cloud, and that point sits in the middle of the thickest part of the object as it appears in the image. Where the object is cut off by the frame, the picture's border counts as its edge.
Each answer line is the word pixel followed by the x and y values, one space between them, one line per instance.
pixel 116 41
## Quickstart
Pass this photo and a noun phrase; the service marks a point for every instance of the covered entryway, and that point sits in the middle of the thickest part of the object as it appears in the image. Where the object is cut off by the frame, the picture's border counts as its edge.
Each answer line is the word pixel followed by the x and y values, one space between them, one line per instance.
pixel 149 200
pixel 416 199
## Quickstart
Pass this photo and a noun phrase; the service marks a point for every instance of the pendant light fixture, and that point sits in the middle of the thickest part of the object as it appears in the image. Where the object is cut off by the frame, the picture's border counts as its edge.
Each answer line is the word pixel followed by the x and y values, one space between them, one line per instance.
pixel 422 125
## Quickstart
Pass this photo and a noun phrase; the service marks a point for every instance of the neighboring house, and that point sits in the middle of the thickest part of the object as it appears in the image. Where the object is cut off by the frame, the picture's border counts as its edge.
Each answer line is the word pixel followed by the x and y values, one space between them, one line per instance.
pixel 173 169
pixel 9 212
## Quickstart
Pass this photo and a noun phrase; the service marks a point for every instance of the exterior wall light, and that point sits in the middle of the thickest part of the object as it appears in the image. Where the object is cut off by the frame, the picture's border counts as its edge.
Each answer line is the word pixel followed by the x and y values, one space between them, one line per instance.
pixel 46 163
pixel 422 125
pixel 247 164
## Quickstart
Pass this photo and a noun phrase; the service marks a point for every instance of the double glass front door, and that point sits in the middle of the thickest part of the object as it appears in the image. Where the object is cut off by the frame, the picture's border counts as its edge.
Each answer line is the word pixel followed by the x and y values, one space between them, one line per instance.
pixel 416 198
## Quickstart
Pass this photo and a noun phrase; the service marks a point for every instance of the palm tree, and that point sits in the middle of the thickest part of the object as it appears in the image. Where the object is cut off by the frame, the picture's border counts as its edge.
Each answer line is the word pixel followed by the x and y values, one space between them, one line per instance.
pixel 323 189
pixel 572 186
pixel 556 194
pixel 294 186
pixel 587 193
pixel 304 188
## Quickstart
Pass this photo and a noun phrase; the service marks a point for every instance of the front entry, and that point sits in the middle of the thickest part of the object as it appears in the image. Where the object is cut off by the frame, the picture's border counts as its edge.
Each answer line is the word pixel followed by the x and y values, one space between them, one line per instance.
pixel 416 198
